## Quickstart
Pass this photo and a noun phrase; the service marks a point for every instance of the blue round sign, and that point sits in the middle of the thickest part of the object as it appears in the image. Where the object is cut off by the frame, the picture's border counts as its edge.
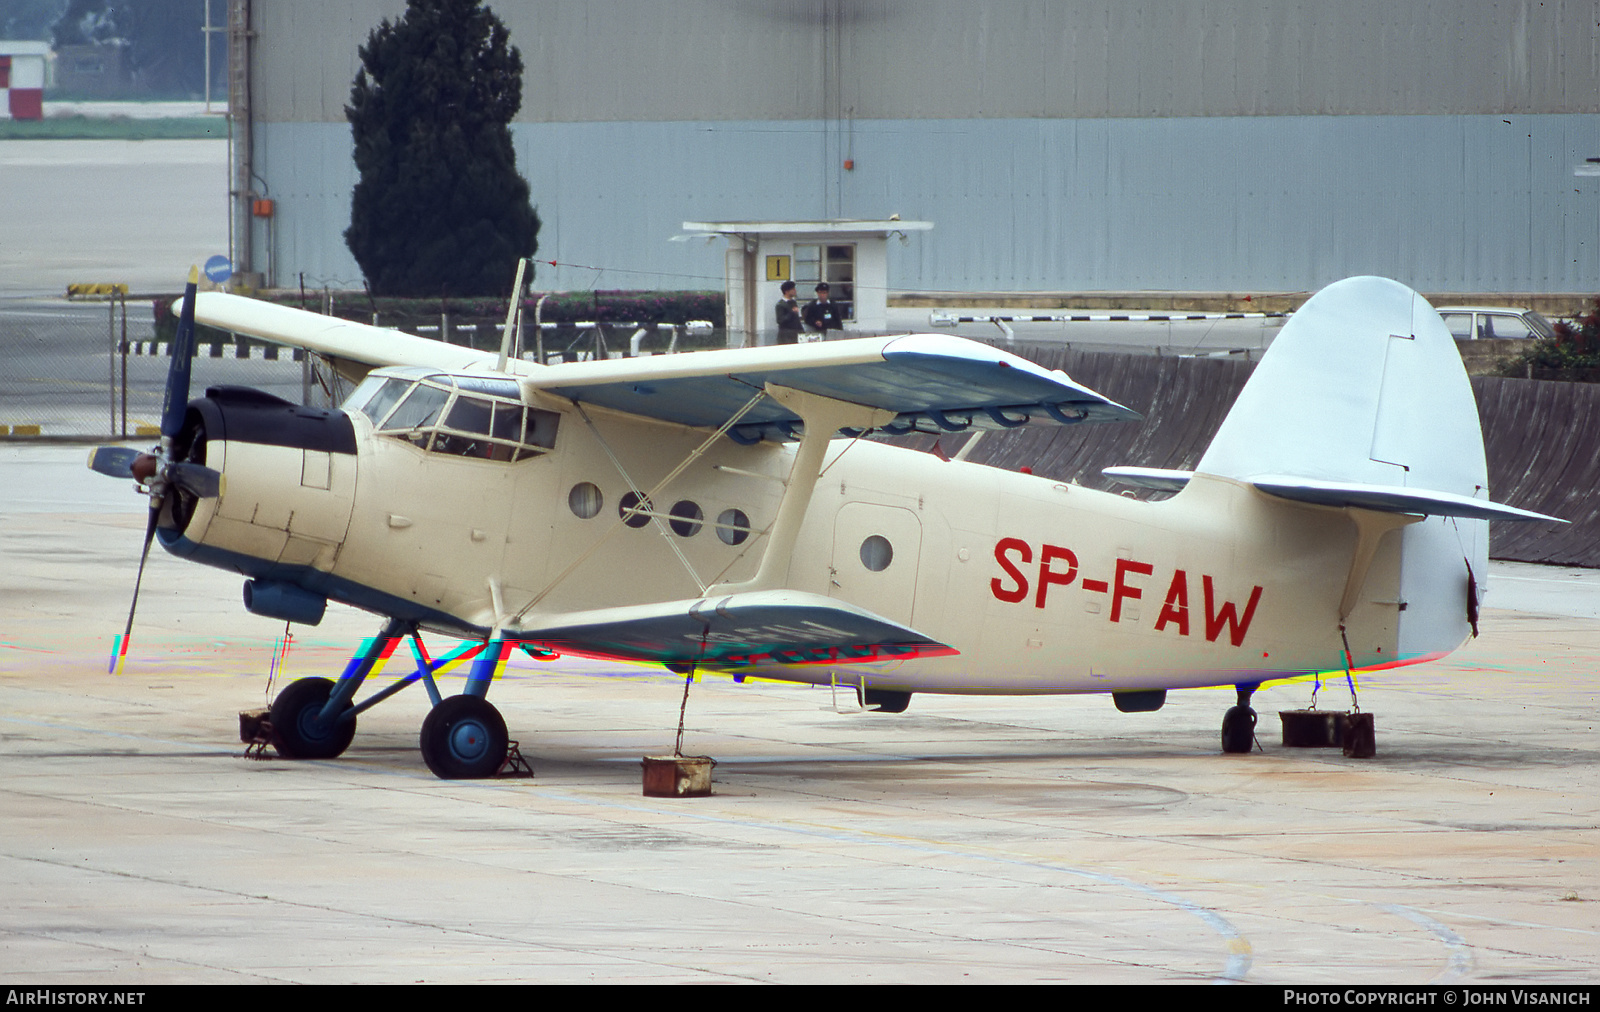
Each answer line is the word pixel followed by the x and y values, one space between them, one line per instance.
pixel 219 268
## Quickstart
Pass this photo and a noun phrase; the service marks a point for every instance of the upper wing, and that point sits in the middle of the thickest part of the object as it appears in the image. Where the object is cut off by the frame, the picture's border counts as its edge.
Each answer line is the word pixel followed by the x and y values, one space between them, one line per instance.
pixel 329 335
pixel 932 382
pixel 761 627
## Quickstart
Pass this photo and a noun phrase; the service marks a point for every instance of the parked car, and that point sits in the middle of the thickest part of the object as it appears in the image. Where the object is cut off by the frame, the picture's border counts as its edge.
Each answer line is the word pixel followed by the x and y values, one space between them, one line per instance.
pixel 1474 323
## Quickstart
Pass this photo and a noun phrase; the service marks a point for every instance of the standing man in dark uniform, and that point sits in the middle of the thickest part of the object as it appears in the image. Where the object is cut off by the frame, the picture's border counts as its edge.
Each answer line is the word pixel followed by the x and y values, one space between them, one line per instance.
pixel 789 322
pixel 822 315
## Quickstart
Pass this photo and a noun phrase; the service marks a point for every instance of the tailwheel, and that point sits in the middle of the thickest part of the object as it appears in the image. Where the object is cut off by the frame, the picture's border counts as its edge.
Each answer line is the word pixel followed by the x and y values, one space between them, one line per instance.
pixel 297 731
pixel 464 738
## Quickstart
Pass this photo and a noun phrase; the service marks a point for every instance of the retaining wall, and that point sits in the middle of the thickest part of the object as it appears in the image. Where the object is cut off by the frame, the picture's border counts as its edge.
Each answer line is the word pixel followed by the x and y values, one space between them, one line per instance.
pixel 1542 440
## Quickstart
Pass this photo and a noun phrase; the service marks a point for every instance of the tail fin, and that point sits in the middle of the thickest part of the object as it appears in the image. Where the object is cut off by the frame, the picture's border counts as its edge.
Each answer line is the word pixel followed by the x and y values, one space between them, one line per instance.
pixel 1363 402
pixel 1364 385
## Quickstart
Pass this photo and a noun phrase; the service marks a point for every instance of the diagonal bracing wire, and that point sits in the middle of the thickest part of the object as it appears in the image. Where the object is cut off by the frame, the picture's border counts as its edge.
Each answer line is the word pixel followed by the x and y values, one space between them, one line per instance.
pixel 649 497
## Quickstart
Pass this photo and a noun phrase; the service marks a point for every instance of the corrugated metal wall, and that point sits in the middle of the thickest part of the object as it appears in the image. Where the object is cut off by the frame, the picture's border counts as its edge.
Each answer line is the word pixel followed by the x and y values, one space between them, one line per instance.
pixel 1248 146
pixel 611 60
pixel 1250 204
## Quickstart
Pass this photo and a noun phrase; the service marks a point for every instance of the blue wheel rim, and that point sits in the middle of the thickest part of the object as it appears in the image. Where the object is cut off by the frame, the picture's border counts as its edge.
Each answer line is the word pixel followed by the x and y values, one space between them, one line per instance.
pixel 468 740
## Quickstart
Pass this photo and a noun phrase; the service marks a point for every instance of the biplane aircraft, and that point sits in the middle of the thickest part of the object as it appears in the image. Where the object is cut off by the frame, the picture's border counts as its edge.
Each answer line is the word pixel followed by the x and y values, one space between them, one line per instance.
pixel 722 511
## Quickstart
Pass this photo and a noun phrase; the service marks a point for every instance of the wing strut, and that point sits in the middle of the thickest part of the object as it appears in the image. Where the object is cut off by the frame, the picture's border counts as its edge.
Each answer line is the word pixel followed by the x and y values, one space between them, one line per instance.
pixel 512 312
pixel 823 417
pixel 647 505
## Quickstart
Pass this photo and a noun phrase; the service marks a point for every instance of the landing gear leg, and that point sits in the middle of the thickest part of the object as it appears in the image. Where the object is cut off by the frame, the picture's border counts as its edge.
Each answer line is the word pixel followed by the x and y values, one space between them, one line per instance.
pixel 1239 723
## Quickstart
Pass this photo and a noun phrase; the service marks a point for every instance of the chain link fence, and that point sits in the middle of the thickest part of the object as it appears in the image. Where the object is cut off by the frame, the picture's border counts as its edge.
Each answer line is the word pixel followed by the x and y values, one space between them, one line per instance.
pixel 96 370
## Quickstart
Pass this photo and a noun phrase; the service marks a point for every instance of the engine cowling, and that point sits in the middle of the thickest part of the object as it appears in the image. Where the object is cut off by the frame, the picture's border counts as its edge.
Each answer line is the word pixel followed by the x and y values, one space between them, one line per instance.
pixel 289 479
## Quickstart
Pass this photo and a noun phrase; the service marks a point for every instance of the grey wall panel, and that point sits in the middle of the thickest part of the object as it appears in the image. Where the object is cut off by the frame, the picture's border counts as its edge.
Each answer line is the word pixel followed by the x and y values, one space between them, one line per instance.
pixel 737 60
pixel 310 174
pixel 1249 204
pixel 1449 203
pixel 305 55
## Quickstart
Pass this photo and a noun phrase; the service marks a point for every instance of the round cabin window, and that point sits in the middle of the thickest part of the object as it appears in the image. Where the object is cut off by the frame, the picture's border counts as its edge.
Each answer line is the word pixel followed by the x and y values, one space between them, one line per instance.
pixel 877 553
pixel 585 500
pixel 733 526
pixel 686 517
pixel 630 502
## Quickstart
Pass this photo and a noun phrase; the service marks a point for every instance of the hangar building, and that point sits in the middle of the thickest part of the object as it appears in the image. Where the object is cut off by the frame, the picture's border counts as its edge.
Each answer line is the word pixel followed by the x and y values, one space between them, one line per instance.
pixel 1056 145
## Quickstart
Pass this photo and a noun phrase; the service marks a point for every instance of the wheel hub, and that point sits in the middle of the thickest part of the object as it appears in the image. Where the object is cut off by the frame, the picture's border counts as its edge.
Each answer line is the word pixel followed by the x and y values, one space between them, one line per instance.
pixel 311 728
pixel 468 740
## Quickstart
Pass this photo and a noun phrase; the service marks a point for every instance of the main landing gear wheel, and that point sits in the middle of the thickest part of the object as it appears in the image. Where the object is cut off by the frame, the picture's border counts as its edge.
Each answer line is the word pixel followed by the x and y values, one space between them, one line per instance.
pixel 296 731
pixel 464 738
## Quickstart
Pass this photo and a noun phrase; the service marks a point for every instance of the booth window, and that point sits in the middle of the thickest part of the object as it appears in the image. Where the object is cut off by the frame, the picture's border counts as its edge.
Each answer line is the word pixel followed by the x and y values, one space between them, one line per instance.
pixel 835 264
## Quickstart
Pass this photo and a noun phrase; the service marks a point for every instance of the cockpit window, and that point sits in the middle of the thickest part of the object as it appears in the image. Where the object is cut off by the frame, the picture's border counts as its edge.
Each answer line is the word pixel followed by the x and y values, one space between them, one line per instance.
pixel 507 422
pixel 468 431
pixel 375 396
pixel 541 430
pixel 464 416
pixel 419 409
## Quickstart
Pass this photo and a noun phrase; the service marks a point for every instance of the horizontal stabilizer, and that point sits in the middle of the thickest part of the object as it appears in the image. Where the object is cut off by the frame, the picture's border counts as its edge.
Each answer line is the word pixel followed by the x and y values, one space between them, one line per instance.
pixel 1380 498
pixel 764 627
pixel 1163 478
pixel 1391 499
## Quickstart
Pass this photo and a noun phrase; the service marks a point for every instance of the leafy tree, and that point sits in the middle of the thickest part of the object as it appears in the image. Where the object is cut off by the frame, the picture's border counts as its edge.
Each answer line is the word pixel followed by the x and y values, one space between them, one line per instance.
pixel 30 19
pixel 86 22
pixel 439 208
pixel 1573 353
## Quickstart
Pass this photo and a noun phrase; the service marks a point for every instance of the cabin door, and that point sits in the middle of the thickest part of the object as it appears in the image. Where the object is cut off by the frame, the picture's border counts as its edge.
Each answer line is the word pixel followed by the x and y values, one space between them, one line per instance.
pixel 875 554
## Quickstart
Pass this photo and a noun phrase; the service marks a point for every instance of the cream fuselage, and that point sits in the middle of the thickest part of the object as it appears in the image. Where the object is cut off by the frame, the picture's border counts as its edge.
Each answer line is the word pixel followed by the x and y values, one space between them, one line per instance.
pixel 1041 586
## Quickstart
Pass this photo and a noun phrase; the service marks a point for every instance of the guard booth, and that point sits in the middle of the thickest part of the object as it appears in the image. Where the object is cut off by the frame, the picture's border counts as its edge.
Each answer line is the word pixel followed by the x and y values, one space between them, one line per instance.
pixel 24 67
pixel 851 255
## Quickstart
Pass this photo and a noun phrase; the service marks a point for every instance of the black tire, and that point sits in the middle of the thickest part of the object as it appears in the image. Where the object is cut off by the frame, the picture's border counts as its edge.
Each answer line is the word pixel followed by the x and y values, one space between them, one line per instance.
pixel 296 734
pixel 887 701
pixel 464 738
pixel 1238 730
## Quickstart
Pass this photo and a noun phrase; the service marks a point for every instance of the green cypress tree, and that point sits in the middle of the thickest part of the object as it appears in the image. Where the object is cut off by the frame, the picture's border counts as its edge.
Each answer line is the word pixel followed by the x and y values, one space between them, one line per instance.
pixel 440 208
